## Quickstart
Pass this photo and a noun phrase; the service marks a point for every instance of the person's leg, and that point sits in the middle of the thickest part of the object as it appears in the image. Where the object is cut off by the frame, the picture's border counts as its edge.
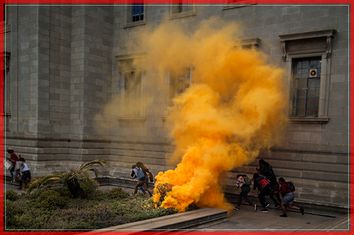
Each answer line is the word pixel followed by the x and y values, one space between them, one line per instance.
pixel 286 201
pixel 261 197
pixel 146 188
pixel 245 190
pixel 271 195
pixel 283 208
pixel 245 197
pixel 239 202
pixel 138 184
pixel 300 208
pixel 12 170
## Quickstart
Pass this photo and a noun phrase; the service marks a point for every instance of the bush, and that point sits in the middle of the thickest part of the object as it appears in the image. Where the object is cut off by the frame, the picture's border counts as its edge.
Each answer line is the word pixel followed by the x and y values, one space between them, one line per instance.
pixel 11 195
pixel 51 209
pixel 117 193
pixel 78 181
pixel 88 186
pixel 50 199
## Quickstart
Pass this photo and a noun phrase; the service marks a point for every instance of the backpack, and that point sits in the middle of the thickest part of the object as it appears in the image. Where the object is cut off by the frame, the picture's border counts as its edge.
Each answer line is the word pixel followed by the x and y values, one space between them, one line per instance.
pixel 151 176
pixel 291 186
pixel 263 182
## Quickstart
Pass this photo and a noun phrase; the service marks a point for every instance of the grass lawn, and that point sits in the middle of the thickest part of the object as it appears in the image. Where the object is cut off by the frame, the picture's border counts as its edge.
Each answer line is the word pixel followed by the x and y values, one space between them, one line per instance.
pixel 50 209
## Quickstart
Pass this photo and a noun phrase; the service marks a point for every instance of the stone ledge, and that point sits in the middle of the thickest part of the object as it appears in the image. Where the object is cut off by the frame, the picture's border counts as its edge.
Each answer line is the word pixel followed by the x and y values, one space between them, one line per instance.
pixel 172 222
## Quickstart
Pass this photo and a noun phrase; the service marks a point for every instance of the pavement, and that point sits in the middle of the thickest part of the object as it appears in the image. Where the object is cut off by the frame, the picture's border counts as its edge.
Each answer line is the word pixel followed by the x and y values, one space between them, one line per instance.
pixel 248 219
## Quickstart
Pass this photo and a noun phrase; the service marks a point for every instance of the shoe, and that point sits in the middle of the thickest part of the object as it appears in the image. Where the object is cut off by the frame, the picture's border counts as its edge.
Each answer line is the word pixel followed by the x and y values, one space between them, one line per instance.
pixel 264 210
pixel 236 208
pixel 255 207
pixel 284 215
pixel 302 211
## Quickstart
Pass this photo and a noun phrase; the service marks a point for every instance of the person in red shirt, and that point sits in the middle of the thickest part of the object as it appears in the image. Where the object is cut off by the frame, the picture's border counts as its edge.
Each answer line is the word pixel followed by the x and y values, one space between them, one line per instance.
pixel 13 159
pixel 264 188
pixel 287 197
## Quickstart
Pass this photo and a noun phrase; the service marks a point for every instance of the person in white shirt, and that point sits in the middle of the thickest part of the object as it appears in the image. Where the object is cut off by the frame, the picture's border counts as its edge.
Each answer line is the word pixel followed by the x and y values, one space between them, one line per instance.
pixel 25 173
pixel 138 173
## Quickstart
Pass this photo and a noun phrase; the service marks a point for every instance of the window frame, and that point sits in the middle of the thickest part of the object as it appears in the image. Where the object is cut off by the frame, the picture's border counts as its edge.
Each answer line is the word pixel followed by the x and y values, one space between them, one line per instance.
pixel 292 90
pixel 182 14
pixel 325 55
pixel 171 96
pixel 125 64
pixel 128 17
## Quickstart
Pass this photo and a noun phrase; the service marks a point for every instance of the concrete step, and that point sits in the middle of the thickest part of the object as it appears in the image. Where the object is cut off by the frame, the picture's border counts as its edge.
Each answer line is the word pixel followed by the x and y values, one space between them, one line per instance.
pixel 172 222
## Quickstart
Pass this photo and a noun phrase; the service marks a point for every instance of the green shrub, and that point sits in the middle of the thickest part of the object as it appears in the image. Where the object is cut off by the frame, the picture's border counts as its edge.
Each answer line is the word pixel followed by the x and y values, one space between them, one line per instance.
pixel 117 193
pixel 50 199
pixel 54 209
pixel 88 186
pixel 11 195
pixel 78 181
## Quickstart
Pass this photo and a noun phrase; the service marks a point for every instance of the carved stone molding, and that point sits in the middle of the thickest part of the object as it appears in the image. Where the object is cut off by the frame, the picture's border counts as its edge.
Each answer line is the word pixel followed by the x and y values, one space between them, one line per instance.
pixel 309 42
pixel 251 43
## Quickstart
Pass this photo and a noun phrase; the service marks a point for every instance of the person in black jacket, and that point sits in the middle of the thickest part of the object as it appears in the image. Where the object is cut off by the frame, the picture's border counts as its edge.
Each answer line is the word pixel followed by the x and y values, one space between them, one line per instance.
pixel 266 170
pixel 263 185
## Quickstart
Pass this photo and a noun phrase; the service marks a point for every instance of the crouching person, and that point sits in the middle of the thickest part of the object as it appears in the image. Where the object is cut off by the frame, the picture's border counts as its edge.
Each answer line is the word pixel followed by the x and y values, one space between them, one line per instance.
pixel 244 183
pixel 25 173
pixel 286 190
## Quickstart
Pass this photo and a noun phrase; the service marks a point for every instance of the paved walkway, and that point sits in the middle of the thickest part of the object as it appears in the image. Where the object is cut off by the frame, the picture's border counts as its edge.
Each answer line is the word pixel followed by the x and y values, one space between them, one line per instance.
pixel 248 219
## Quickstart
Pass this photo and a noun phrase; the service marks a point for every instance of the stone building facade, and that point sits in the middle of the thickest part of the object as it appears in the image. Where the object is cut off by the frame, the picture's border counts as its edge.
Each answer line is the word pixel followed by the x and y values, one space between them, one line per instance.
pixel 64 66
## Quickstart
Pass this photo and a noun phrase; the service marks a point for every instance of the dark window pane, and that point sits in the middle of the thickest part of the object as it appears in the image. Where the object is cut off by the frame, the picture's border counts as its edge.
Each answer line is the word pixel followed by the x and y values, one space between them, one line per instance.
pixel 313 97
pixel 178 8
pixel 179 82
pixel 306 85
pixel 301 102
pixel 132 84
pixel 137 11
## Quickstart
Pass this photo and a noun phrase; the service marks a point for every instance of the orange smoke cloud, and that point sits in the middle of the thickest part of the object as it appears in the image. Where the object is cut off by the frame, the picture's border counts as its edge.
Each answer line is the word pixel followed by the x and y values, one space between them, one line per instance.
pixel 234 107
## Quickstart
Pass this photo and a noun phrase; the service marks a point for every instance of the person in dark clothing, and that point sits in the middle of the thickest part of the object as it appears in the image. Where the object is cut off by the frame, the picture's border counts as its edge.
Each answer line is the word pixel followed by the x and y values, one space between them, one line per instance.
pixel 25 173
pixel 243 182
pixel 266 170
pixel 139 174
pixel 263 185
pixel 13 159
pixel 287 197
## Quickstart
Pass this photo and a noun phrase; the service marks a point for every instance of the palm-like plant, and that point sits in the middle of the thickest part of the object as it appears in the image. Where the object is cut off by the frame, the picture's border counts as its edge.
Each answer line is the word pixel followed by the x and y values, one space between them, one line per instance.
pixel 78 181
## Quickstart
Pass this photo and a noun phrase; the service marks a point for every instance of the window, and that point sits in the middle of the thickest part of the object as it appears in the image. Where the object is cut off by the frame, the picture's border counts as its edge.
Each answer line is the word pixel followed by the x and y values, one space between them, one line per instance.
pixel 230 4
pixel 130 88
pixel 308 56
pixel 137 12
pixel 179 82
pixel 180 9
pixel 135 15
pixel 251 43
pixel 306 86
pixel 132 84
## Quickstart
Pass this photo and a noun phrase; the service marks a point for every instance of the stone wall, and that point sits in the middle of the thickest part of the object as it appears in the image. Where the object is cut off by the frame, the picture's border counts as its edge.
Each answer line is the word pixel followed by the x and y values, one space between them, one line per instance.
pixel 63 70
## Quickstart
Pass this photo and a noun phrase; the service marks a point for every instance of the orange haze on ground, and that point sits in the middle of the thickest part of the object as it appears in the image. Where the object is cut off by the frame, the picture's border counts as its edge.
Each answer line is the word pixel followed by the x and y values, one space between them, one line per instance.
pixel 234 108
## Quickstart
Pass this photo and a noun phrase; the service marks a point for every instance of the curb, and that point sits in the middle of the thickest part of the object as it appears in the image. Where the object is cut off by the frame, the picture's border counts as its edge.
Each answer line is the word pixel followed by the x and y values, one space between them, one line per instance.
pixel 171 222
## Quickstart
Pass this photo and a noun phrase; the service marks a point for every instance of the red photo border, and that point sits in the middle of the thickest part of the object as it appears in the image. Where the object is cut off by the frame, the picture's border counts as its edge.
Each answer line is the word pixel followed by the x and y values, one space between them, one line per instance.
pixel 88 2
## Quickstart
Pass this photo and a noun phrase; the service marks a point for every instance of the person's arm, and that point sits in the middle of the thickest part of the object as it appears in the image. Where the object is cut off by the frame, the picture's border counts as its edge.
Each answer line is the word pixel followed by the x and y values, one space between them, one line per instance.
pixel 133 174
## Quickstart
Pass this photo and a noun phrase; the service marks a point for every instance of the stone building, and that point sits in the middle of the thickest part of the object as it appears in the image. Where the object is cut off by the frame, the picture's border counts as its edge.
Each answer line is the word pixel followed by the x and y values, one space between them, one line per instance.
pixel 63 66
